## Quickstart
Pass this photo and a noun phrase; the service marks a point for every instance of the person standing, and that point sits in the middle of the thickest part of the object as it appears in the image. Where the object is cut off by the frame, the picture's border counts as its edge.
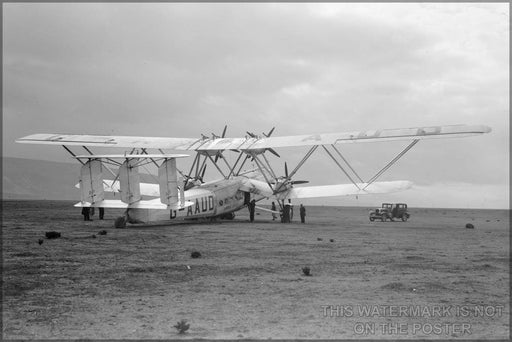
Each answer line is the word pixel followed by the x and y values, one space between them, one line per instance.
pixel 286 213
pixel 252 207
pixel 302 213
pixel 291 210
pixel 85 212
pixel 102 212
pixel 273 208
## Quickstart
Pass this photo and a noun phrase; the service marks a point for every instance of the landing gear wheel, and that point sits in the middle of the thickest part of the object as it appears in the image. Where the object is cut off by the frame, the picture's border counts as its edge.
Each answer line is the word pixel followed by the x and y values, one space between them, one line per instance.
pixel 383 219
pixel 371 219
pixel 120 222
pixel 404 218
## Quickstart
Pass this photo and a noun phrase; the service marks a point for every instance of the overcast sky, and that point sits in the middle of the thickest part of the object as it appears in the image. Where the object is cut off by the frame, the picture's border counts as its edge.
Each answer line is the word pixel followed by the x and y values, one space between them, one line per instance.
pixel 179 70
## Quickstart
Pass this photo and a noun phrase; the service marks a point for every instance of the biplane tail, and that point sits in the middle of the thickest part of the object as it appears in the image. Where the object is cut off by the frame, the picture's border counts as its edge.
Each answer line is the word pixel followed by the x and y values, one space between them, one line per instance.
pixel 93 186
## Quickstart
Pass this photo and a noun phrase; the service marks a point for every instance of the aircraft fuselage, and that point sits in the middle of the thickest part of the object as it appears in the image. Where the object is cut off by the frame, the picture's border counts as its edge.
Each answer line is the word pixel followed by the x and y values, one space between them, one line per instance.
pixel 211 199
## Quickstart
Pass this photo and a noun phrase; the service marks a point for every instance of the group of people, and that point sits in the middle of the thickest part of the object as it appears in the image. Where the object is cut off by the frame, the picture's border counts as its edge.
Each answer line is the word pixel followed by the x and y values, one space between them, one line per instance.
pixel 286 213
pixel 89 211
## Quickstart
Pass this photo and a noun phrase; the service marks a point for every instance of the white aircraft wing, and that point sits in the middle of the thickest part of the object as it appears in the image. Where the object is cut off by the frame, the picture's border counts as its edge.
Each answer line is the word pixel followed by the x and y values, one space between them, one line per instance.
pixel 112 141
pixel 146 189
pixel 347 189
pixel 148 204
pixel 261 188
pixel 256 143
pixel 364 136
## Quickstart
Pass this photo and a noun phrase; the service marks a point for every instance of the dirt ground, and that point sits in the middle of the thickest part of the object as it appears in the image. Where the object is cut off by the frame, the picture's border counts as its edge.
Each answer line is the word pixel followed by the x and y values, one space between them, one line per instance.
pixel 429 277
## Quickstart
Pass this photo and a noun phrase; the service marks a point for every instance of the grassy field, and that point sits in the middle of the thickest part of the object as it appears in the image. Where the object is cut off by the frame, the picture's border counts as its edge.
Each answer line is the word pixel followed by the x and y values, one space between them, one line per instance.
pixel 139 281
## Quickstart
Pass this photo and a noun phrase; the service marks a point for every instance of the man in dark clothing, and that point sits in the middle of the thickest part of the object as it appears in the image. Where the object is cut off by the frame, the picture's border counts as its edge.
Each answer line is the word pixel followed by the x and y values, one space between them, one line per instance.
pixel 273 208
pixel 102 213
pixel 85 212
pixel 302 213
pixel 291 210
pixel 252 206
pixel 286 213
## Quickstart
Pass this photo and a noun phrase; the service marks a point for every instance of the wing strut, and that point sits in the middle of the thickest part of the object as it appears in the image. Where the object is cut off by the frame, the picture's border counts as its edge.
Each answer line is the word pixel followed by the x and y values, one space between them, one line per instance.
pixel 231 172
pixel 272 173
pixel 74 155
pixel 378 174
pixel 346 162
pixel 262 169
pixel 310 152
pixel 217 166
pixel 341 167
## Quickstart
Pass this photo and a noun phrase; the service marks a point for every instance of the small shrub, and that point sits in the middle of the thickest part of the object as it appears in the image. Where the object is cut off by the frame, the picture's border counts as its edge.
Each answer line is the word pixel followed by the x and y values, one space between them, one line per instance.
pixel 182 326
pixel 93 236
pixel 306 270
pixel 319 239
pixel 332 240
pixel 40 241
pixel 469 226
pixel 102 232
pixel 195 255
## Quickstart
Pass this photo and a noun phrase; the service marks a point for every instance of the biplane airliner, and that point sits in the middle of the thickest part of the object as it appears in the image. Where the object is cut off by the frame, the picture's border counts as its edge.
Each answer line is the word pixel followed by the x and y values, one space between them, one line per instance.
pixel 178 194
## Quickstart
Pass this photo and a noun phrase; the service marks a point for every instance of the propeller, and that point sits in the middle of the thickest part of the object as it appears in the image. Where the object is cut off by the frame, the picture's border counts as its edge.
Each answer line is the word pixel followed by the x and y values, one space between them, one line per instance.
pixel 189 180
pixel 271 150
pixel 269 133
pixel 284 183
pixel 219 155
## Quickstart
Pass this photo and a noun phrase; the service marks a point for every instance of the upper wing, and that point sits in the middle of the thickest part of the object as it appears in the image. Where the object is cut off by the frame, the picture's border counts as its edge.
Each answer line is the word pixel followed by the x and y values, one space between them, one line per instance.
pixel 112 141
pixel 250 143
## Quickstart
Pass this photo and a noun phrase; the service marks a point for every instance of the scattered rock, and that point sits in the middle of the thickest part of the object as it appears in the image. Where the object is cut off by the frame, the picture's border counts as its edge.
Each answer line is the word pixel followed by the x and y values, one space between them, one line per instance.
pixel 102 232
pixel 93 236
pixel 469 226
pixel 40 241
pixel 332 240
pixel 396 286
pixel 120 222
pixel 319 239
pixel 195 255
pixel 307 271
pixel 52 235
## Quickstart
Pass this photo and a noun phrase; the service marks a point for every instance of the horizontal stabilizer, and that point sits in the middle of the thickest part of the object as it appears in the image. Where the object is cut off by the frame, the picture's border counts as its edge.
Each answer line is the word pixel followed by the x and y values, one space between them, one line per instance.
pixel 348 189
pixel 150 204
pixel 146 189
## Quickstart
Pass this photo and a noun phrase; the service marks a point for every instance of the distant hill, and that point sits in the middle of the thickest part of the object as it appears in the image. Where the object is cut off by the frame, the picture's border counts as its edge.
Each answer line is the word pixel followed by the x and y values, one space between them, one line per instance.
pixel 38 179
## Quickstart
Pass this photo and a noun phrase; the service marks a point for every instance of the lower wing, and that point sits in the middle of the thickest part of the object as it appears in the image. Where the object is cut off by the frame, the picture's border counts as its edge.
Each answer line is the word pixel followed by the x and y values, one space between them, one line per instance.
pixel 261 188
pixel 348 189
